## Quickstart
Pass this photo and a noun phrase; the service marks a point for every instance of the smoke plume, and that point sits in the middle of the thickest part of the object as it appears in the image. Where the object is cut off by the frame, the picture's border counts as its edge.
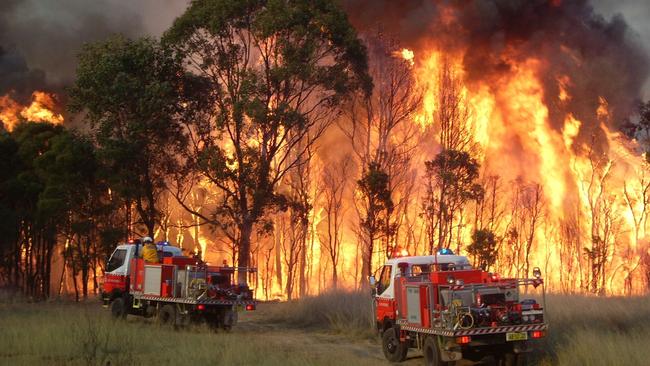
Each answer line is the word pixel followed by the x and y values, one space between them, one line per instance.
pixel 603 57
pixel 40 39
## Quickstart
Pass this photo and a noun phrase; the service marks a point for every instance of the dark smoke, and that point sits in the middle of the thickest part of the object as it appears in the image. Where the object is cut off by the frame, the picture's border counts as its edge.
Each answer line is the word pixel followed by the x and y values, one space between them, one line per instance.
pixel 40 39
pixel 603 57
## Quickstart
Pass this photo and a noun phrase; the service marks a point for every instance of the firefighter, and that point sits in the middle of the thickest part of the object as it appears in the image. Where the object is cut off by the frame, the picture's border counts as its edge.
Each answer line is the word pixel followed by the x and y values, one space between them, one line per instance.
pixel 149 251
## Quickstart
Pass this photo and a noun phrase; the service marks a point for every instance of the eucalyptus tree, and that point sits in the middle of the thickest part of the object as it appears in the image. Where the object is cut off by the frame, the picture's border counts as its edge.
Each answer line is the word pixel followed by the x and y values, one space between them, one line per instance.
pixel 273 73
pixel 130 92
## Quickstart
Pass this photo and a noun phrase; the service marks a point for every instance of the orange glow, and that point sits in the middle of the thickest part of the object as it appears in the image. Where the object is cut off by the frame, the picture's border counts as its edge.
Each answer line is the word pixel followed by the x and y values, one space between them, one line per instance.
pixel 509 122
pixel 41 109
pixel 563 83
pixel 9 112
pixel 407 55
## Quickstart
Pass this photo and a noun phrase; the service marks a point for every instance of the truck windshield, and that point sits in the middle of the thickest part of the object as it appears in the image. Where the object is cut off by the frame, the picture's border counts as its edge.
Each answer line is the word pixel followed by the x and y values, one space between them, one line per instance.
pixel 116 261
pixel 384 279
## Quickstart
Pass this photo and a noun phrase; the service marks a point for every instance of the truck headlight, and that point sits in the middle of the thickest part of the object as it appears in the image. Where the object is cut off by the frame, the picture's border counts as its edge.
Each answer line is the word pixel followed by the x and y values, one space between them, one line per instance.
pixel 504 318
pixel 451 280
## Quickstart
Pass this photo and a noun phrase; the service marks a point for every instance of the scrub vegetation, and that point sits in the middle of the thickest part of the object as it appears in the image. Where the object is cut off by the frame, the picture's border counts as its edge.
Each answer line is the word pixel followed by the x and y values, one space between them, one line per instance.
pixel 330 329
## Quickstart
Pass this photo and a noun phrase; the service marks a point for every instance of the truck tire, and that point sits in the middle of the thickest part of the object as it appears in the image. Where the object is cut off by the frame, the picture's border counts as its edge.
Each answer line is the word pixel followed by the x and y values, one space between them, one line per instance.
pixel 394 350
pixel 229 320
pixel 521 359
pixel 118 308
pixel 167 315
pixel 512 359
pixel 432 353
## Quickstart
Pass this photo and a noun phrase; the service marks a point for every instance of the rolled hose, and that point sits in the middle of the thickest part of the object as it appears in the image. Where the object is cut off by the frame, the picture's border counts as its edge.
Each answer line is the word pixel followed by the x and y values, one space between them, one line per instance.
pixel 464 320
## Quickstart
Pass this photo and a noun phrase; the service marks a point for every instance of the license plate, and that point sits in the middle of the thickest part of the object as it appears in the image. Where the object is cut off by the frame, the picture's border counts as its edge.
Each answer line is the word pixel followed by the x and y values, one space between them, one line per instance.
pixel 516 336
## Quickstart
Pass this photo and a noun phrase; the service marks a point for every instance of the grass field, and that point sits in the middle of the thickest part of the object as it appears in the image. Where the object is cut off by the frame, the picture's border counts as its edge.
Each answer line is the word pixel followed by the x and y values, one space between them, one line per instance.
pixel 330 329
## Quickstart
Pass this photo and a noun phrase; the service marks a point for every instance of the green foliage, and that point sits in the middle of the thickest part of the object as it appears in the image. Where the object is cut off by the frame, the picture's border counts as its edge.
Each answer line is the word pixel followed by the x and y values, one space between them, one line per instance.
pixel 9 166
pixel 34 140
pixel 376 191
pixel 49 190
pixel 457 172
pixel 483 248
pixel 451 178
pixel 131 91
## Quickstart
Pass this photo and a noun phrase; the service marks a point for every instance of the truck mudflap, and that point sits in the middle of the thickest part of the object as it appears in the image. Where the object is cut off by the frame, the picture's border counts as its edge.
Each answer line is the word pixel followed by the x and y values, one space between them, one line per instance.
pixel 475 331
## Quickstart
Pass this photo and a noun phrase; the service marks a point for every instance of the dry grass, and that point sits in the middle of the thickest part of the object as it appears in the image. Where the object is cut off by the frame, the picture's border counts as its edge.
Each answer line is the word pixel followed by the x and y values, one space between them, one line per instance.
pixel 348 313
pixel 597 331
pixel 331 329
pixel 73 334
pixel 583 330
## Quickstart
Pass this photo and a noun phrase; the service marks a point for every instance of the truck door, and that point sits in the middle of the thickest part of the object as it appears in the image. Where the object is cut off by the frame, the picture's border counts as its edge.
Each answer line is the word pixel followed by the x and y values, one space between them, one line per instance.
pixel 117 269
pixel 385 294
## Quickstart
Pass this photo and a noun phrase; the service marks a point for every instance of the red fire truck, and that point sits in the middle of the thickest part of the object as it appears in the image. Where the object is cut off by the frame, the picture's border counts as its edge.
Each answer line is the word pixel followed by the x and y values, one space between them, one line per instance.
pixel 450 311
pixel 176 291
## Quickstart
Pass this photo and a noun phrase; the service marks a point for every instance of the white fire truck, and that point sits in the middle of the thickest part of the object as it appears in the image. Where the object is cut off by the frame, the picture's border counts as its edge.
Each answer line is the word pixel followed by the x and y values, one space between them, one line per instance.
pixel 450 311
pixel 177 290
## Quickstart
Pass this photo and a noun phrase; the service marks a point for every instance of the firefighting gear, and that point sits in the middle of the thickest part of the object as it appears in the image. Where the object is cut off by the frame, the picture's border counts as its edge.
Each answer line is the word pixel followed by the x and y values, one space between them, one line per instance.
pixel 150 253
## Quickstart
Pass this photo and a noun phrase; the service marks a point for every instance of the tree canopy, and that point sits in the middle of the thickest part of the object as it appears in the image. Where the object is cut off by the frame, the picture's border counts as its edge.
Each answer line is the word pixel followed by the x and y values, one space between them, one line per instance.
pixel 130 91
pixel 274 73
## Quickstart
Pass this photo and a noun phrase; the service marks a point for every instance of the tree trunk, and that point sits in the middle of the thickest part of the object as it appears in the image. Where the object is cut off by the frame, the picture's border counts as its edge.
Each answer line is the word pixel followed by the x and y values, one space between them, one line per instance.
pixel 246 229
pixel 278 259
pixel 303 260
pixel 74 281
pixel 366 266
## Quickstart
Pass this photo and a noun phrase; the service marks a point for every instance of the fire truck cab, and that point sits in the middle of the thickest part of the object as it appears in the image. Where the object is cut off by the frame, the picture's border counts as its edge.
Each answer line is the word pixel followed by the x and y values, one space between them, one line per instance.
pixel 118 265
pixel 441 305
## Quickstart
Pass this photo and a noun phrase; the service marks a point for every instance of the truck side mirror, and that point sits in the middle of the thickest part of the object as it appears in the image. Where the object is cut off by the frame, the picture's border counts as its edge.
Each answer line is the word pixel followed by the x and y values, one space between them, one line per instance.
pixel 373 281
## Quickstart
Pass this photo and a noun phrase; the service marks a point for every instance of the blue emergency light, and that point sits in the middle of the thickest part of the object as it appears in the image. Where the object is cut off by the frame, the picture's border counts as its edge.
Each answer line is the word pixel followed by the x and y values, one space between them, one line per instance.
pixel 445 251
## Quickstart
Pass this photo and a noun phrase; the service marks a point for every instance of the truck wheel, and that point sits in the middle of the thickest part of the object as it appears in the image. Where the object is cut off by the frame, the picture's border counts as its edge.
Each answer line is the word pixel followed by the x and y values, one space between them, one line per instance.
pixel 229 320
pixel 167 315
pixel 394 350
pixel 521 359
pixel 118 308
pixel 431 353
pixel 512 359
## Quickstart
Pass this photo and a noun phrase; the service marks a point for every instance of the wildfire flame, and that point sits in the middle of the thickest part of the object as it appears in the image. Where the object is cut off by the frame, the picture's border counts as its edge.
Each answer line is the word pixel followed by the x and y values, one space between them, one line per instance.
pixel 406 54
pixel 511 125
pixel 41 109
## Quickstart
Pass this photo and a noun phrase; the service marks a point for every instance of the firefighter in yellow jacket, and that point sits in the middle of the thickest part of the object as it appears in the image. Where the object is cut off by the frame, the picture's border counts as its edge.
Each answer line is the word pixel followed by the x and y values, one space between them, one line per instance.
pixel 149 250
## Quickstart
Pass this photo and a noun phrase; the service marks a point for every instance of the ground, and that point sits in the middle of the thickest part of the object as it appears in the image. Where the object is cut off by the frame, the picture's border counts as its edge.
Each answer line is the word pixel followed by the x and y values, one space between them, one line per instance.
pixel 326 330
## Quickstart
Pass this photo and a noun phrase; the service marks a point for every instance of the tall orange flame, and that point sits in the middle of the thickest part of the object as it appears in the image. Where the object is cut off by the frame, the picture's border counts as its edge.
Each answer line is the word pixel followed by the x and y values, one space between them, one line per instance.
pixel 41 109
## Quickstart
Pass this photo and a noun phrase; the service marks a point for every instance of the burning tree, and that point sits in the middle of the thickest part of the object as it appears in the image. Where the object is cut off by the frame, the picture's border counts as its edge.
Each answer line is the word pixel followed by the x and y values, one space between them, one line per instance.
pixel 483 248
pixel 526 210
pixel 451 179
pixel 274 74
pixel 452 115
pixel 381 130
pixel 333 187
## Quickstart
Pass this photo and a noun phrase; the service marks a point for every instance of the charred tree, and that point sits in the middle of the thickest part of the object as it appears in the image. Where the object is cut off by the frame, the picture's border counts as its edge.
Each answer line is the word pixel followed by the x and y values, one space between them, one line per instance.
pixel 382 133
pixel 334 183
